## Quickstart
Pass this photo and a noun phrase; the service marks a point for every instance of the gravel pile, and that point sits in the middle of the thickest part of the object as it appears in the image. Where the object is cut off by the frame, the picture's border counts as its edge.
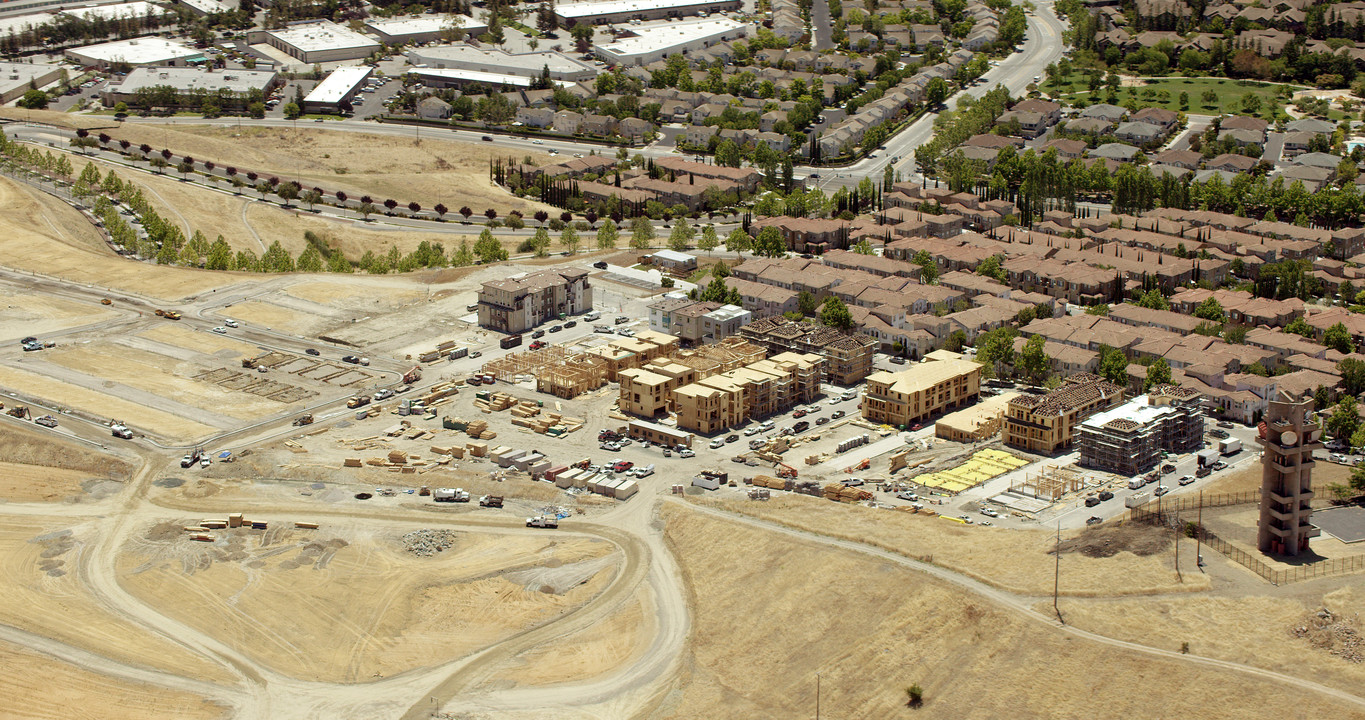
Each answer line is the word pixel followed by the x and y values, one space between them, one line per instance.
pixel 426 543
pixel 1337 634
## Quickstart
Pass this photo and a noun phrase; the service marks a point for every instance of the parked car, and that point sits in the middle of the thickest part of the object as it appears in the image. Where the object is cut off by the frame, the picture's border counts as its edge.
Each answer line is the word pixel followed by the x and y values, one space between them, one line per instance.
pixel 230 323
pixel 1092 501
pixel 1094 520
pixel 220 330
pixel 1161 490
pixel 313 351
pixel 717 443
pixel 799 414
pixel 837 414
pixel 571 323
pixel 556 328
pixel 686 453
pixel 822 421
pixel 354 360
pixel 538 334
pixel 600 264
pixel 383 394
pixel 731 438
pixel 1106 495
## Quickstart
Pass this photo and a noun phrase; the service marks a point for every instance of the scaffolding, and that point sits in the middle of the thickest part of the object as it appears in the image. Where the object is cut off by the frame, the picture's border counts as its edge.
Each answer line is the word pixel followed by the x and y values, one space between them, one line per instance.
pixel 1051 483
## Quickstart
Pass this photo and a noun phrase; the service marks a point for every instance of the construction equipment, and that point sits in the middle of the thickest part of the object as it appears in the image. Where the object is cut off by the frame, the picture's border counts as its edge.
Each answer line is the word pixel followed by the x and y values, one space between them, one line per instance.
pixel 192 457
pixel 250 363
pixel 785 471
pixel 172 315
pixel 19 411
pixel 47 421
pixel 542 521
pixel 120 430
pixel 160 312
pixel 412 375
pixel 358 401
pixel 490 501
pixel 106 301
pixel 303 420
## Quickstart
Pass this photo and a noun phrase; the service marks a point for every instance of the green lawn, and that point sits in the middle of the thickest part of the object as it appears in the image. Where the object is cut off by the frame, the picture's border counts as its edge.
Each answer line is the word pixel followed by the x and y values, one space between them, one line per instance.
pixel 1229 93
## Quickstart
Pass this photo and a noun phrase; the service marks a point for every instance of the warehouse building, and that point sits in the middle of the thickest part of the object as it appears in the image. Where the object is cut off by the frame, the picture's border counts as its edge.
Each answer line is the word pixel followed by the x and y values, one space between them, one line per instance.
pixel 445 78
pixel 422 28
pixel 903 398
pixel 136 52
pixel 232 87
pixel 316 41
pixel 531 65
pixel 15 78
pixel 1047 423
pixel 621 11
pixel 521 302
pixel 136 10
pixel 205 7
pixel 333 94
pixel 1129 439
pixel 648 44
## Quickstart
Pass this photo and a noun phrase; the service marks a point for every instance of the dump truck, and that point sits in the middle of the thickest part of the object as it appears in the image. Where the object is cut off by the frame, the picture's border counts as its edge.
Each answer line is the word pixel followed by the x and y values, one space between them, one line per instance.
pixel 120 430
pixel 490 501
pixel 358 401
pixel 542 521
pixel 192 457
pixel 303 420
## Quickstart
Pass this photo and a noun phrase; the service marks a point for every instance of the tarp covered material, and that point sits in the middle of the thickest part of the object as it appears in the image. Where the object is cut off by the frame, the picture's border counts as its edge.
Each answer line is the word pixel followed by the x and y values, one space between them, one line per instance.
pixel 224 454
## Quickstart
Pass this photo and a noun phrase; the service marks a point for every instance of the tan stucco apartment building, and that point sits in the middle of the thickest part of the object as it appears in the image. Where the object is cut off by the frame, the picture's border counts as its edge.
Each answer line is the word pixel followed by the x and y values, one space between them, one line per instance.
pixel 519 303
pixel 911 395
pixel 1046 423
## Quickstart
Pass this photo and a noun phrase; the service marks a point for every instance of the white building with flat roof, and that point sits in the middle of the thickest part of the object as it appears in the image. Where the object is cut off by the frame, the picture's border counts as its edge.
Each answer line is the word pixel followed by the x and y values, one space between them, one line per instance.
pixel 231 87
pixel 205 7
pixel 137 9
pixel 422 28
pixel 657 42
pixel 337 88
pixel 135 52
pixel 15 24
pixel 468 57
pixel 619 11
pixel 316 41
pixel 16 76
pixel 432 77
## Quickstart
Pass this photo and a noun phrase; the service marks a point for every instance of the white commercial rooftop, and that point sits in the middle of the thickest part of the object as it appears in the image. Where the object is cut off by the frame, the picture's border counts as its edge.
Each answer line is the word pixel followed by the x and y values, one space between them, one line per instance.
pixel 476 76
pixel 207 6
pixel 611 7
pixel 416 24
pixel 189 79
pixel 16 74
pixel 138 51
pixel 531 63
pixel 1136 410
pixel 135 9
pixel 674 256
pixel 666 35
pixel 342 81
pixel 17 23
pixel 318 35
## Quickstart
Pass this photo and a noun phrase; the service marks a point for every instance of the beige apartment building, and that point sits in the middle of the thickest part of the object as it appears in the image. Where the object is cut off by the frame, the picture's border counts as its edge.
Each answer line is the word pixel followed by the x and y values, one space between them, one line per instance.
pixel 761 388
pixel 1046 423
pixel 648 391
pixel 905 397
pixel 521 302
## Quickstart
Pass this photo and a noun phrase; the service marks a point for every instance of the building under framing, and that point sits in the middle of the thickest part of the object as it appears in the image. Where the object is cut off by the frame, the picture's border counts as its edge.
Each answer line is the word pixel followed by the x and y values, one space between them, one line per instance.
pixel 848 356
pixel 1047 423
pixel 1129 439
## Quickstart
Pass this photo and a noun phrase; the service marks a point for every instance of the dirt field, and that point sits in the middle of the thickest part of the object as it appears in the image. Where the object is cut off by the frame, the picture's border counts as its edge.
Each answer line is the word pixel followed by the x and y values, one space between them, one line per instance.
pixel 37 687
pixel 180 336
pixel 60 119
pixel 21 445
pixel 348 604
pixel 383 166
pixel 66 394
pixel 871 629
pixel 1248 478
pixel 42 234
pixel 1250 630
pixel 1016 560
pixel 25 313
pixel 28 483
pixel 44 594
pixel 587 654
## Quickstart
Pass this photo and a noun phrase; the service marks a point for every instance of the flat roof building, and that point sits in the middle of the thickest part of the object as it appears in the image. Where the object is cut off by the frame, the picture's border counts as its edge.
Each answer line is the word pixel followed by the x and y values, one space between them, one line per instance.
pixel 315 41
pixel 422 28
pixel 902 398
pixel 205 7
pixel 135 52
pixel 531 64
pixel 442 78
pixel 230 86
pixel 1129 439
pixel 15 77
pixel 337 88
pixel 619 11
pixel 649 44
pixel 136 10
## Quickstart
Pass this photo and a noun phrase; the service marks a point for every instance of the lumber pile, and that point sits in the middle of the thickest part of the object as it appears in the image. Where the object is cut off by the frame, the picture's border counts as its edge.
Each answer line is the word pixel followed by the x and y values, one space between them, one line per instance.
pixel 397 457
pixel 295 447
pixel 352 462
pixel 496 402
pixel 845 494
pixel 768 481
pixel 441 392
pixel 478 429
pixel 553 424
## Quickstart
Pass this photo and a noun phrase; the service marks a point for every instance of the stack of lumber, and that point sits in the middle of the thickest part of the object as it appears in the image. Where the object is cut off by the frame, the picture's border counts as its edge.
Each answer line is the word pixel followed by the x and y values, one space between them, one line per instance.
pixel 295 447
pixel 352 462
pixel 440 392
pixel 476 429
pixel 525 409
pixel 841 493
pixel 771 482
pixel 496 402
pixel 398 457
pixel 478 449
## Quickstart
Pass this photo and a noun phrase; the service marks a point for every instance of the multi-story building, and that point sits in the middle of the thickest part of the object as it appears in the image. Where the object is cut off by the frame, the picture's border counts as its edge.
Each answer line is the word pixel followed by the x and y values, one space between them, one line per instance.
pixel 1289 439
pixel 697 322
pixel 905 397
pixel 524 301
pixel 1130 438
pixel 648 391
pixel 1046 423
pixel 848 356
pixel 761 388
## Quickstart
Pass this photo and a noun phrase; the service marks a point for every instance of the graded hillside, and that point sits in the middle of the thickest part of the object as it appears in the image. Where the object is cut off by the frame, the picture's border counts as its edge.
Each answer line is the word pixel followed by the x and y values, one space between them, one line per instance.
pixel 771 611
pixel 349 603
pixel 382 166
pixel 39 467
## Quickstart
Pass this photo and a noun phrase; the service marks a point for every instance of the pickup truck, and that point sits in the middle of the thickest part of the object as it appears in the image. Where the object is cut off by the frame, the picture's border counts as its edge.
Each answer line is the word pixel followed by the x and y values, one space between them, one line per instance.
pixel 542 521
pixel 801 427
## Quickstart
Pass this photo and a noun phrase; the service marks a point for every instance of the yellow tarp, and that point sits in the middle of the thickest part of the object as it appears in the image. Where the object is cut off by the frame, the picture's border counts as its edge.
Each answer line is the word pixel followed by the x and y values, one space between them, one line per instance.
pixel 979 468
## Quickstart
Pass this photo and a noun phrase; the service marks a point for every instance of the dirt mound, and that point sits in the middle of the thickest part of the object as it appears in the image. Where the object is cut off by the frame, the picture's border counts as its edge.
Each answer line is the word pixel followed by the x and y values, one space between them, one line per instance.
pixel 1334 633
pixel 21 446
pixel 1109 540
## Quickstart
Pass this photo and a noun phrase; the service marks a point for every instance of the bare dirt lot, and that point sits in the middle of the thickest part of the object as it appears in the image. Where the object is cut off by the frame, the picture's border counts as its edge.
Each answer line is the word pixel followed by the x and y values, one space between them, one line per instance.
pixel 38 687
pixel 871 629
pixel 25 314
pixel 1017 560
pixel 347 603
pixel 40 468
pixel 383 166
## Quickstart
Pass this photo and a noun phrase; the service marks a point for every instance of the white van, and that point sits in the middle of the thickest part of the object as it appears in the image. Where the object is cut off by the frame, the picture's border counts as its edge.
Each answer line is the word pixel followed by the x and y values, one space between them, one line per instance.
pixel 1135 483
pixel 594 315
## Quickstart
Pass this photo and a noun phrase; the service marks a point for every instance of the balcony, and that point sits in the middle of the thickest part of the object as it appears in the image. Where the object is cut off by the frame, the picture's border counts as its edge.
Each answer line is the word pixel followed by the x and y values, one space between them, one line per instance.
pixel 1288 500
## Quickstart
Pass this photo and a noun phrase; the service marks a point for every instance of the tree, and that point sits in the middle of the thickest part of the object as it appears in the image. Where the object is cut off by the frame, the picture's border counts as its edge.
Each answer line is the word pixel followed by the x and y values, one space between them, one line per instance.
pixel 366 210
pixel 834 313
pixel 805 304
pixel 708 241
pixel 1352 373
pixel 462 257
pixel 728 154
pixel 996 348
pixel 1153 300
pixel 287 192
pixel 914 694
pixel 606 235
pixel 1113 366
pixel 1299 326
pixel 769 243
pixel 310 260
pixel 33 100
pixel 1210 310
pixel 682 235
pixel 1033 361
pixel 540 241
pixel 738 241
pixel 863 247
pixel 312 197
pixel 276 259
pixel 992 267
pixel 219 255
pixel 292 111
pixel 641 233
pixel 1158 373
pixel 1345 418
pixel 928 267
pixel 1338 338
pixel 936 92
pixel 488 248
pixel 569 239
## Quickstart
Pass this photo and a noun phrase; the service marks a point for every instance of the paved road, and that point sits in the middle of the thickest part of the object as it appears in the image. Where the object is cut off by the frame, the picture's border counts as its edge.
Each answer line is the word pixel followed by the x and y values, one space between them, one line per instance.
pixel 821 26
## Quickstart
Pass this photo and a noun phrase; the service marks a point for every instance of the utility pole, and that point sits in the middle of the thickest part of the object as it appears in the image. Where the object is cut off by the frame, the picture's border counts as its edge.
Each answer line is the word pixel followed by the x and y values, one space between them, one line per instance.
pixel 1057 574
pixel 817 696
pixel 1178 576
pixel 1199 551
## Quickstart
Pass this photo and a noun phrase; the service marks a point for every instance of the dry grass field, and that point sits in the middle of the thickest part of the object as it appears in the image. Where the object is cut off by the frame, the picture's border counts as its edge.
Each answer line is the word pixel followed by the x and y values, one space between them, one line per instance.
pixel 44 593
pixel 1014 560
pixel 40 468
pixel 347 604
pixel 58 118
pixel 770 612
pixel 24 313
pixel 38 687
pixel 66 394
pixel 382 166
pixel 587 654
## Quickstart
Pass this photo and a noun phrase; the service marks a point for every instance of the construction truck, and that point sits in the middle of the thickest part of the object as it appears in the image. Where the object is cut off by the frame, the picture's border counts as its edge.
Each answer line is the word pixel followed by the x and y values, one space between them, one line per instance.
pixel 303 420
pixel 19 411
pixel 172 315
pixel 358 401
pixel 192 457
pixel 542 521
pixel 120 430
pixel 47 421
pixel 412 375
pixel 490 501
pixel 250 363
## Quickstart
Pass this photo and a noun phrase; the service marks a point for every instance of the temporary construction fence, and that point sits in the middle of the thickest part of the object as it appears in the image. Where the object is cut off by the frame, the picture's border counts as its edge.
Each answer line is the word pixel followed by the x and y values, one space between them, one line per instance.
pixel 1181 516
